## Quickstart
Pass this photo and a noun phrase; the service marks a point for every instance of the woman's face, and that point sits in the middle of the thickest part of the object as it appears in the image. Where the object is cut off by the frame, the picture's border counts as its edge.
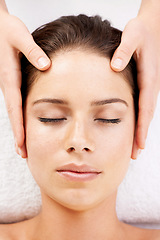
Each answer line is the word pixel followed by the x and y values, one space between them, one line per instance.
pixel 79 112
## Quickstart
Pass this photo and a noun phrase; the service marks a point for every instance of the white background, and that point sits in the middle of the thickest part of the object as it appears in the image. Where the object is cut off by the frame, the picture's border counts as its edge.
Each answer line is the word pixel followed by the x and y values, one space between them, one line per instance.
pixel 34 12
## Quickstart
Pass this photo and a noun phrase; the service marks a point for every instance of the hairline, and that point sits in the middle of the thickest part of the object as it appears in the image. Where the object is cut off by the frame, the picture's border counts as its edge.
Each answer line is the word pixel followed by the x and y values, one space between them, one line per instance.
pixel 36 73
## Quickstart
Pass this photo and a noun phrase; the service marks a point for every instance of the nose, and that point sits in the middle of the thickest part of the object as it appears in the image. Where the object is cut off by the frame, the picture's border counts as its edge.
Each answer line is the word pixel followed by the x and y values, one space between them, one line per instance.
pixel 78 140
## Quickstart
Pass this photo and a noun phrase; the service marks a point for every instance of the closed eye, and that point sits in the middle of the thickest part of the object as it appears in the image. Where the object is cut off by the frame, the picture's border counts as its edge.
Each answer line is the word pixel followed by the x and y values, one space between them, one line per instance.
pixel 103 120
pixel 50 120
pixel 57 120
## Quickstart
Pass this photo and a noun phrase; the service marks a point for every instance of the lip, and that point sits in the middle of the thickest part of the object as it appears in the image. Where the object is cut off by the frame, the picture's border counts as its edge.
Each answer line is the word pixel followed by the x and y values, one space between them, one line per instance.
pixel 78 173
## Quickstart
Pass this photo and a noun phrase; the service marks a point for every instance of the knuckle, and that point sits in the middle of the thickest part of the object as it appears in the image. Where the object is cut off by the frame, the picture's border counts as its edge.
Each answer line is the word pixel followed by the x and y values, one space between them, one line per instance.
pixel 125 50
pixel 10 109
pixel 31 51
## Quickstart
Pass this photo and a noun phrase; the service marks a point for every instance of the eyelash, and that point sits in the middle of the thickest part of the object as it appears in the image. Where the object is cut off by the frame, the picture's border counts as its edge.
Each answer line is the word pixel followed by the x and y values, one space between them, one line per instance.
pixel 57 120
pixel 116 120
pixel 49 120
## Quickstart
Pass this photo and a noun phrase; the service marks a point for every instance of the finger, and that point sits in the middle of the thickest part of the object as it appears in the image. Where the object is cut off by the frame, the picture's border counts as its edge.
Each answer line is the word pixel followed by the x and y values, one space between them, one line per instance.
pixel 13 102
pixel 135 150
pixel 147 103
pixel 23 151
pixel 32 51
pixel 12 94
pixel 36 56
pixel 128 45
pixel 134 147
pixel 148 83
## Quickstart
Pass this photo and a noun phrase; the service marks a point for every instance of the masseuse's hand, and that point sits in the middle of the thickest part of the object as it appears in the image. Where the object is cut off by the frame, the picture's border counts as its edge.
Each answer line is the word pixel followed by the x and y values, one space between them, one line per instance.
pixel 141 39
pixel 15 38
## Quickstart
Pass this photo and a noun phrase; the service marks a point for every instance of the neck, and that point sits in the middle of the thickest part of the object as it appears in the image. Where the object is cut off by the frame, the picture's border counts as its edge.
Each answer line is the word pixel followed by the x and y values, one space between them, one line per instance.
pixel 56 222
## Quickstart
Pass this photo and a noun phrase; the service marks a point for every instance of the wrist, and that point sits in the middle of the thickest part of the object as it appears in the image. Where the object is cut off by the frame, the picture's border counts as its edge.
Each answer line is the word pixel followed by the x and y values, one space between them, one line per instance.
pixel 149 16
pixel 149 13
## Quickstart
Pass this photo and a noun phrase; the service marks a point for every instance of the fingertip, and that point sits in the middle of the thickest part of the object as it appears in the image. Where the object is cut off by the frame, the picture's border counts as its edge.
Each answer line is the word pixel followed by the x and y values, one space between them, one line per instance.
pixel 19 139
pixel 133 157
pixel 35 55
pixel 141 136
pixel 43 63
pixel 134 150
pixel 136 153
pixel 141 145
pixel 22 151
pixel 117 64
pixel 141 142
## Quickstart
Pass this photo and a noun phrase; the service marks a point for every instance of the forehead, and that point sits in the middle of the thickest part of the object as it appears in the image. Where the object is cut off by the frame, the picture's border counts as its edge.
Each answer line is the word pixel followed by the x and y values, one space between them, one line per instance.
pixel 76 73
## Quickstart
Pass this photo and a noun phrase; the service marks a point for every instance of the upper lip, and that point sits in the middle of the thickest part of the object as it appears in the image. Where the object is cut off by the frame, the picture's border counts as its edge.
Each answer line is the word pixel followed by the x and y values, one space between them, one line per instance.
pixel 78 168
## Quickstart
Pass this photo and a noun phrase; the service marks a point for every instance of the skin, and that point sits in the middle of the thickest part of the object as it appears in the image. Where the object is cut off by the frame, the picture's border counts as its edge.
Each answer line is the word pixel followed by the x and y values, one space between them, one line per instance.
pixel 10 68
pixel 140 37
pixel 83 210
pixel 79 130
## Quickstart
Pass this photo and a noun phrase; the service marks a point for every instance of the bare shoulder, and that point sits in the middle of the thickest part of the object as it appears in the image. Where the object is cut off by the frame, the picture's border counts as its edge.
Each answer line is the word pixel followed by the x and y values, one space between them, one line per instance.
pixel 17 231
pixel 5 232
pixel 156 234
pixel 136 233
pixel 11 231
pixel 148 234
pixel 153 234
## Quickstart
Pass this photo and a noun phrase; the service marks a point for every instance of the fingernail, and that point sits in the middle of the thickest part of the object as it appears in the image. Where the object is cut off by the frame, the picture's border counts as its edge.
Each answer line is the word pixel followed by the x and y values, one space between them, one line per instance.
pixel 43 62
pixel 139 151
pixel 143 144
pixel 19 151
pixel 117 63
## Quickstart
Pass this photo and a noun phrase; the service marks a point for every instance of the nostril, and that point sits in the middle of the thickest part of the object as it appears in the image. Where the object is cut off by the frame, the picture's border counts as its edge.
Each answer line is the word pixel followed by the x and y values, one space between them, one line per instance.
pixel 71 149
pixel 86 149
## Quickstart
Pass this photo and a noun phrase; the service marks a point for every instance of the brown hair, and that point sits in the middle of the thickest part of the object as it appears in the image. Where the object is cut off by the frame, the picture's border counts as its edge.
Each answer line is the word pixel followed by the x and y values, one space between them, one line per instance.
pixel 70 32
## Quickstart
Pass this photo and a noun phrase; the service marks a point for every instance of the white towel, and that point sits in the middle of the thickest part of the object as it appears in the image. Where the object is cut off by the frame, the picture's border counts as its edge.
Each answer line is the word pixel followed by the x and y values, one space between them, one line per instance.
pixel 138 198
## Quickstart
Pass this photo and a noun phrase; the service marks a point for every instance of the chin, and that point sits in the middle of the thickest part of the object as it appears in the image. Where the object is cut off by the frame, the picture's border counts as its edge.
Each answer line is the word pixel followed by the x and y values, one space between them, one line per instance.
pixel 79 207
pixel 79 201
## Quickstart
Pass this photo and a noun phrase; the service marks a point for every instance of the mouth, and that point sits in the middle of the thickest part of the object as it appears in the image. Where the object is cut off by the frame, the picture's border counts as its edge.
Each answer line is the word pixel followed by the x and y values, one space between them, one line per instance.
pixel 79 173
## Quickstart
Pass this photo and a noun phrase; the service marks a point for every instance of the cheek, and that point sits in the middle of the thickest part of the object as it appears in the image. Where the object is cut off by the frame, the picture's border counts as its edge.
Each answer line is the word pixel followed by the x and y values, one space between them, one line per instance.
pixel 42 147
pixel 116 151
pixel 118 139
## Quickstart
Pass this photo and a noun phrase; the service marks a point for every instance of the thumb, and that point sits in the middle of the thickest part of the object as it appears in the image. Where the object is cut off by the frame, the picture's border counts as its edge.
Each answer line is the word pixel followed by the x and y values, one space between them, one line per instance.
pixel 26 44
pixel 34 53
pixel 128 45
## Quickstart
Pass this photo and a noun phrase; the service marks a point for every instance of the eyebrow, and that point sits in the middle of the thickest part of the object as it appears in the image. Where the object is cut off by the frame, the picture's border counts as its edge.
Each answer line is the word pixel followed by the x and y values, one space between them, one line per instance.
pixel 51 100
pixel 108 101
pixel 94 103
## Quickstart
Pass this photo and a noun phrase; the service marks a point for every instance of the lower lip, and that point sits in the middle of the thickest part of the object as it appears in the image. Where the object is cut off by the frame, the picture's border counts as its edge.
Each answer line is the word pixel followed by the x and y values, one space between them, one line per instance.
pixel 78 177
